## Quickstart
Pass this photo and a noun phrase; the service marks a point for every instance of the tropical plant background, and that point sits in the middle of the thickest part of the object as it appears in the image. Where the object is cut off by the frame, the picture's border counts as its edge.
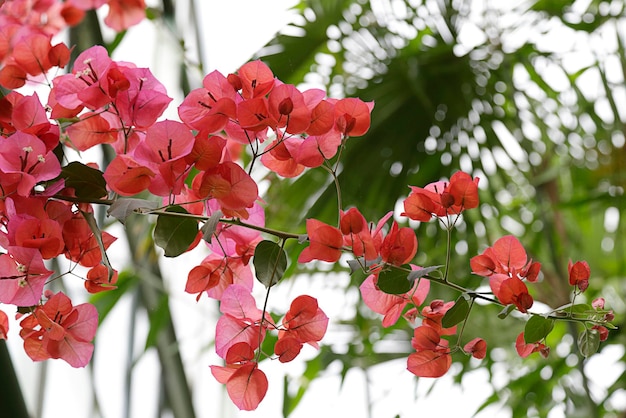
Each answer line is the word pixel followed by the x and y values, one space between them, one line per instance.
pixel 530 96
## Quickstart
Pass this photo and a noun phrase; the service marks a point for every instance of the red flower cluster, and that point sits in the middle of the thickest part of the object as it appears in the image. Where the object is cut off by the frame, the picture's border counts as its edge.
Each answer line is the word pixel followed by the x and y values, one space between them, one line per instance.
pixel 506 265
pixel 242 329
pixel 57 329
pixel 327 242
pixel 26 50
pixel 442 198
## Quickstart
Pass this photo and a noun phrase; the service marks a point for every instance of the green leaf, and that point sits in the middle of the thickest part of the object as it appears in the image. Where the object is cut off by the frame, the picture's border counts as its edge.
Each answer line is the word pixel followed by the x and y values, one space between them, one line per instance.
pixel 457 313
pixel 394 281
pixel 270 262
pixel 588 342
pixel 506 311
pixel 537 328
pixel 175 233
pixel 122 208
pixel 87 182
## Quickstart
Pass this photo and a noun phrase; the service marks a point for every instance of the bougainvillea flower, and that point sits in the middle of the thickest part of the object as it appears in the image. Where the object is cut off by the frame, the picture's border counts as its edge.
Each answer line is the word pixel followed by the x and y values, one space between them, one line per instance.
pixel 240 322
pixel 35 55
pixel 598 303
pixel 71 14
pixel 579 273
pixel 31 53
pixel 357 235
pixel 477 348
pixel 4 325
pixel 126 176
pixel 442 198
pixel 287 107
pixel 29 116
pixel 12 77
pixel 59 330
pixel 433 314
pixel 207 151
pixel 511 290
pixel 464 190
pixel 231 186
pixel 287 349
pixel 314 150
pixel 256 79
pixel 506 256
pixel 234 241
pixel 125 13
pixel 524 350
pixel 22 276
pixel 254 115
pixel 432 357
pixel 144 101
pixel 210 107
pixel 80 243
pixel 322 117
pixel 280 158
pixel 84 87
pixel 90 130
pixel 326 242
pixel 421 205
pixel 240 274
pixel 399 245
pixel 305 321
pixel 163 150
pixel 98 279
pixel 388 305
pixel 352 116
pixel 25 157
pixel 246 384
pixel 42 234
pixel 207 275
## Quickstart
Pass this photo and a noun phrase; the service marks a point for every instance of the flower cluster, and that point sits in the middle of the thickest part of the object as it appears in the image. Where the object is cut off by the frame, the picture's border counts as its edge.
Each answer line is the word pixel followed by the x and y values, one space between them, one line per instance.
pixel 240 332
pixel 507 266
pixel 28 27
pixel 46 209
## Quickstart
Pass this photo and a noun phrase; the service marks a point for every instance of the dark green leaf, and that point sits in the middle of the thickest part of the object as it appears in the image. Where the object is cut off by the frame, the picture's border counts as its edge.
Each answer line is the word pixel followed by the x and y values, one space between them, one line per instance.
pixel 537 328
pixel 87 182
pixel 270 262
pixel 175 233
pixel 588 342
pixel 394 281
pixel 457 313
pixel 122 208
